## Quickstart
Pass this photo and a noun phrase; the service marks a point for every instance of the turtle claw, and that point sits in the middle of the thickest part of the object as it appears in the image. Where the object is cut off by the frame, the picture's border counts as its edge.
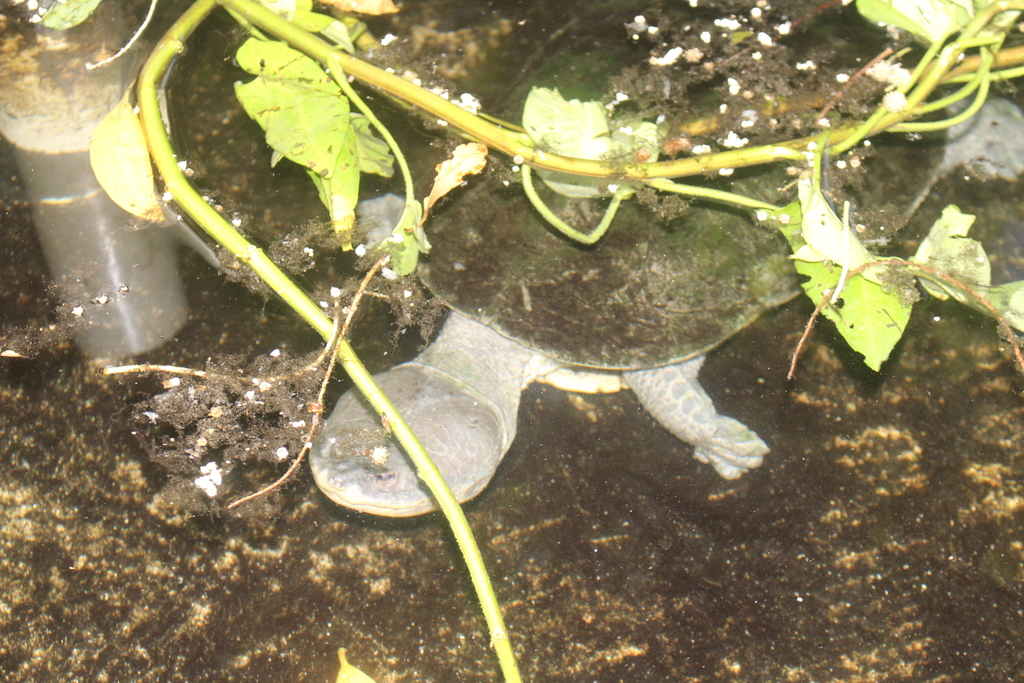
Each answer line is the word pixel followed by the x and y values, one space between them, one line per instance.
pixel 672 395
pixel 730 448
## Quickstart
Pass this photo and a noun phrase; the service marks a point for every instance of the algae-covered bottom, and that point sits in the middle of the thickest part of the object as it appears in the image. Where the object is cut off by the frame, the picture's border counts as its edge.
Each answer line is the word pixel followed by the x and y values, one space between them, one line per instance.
pixel 881 540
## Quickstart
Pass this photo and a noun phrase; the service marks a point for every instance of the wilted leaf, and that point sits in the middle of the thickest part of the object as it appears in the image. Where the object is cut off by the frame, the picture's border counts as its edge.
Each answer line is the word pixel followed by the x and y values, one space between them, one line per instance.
pixel 348 673
pixel 948 249
pixel 467 159
pixel 374 7
pixel 69 14
pixel 1008 299
pixel 120 160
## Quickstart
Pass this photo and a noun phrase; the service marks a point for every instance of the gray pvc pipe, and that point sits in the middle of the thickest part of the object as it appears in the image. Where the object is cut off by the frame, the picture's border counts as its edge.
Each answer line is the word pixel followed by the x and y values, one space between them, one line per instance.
pixel 120 280
pixel 122 283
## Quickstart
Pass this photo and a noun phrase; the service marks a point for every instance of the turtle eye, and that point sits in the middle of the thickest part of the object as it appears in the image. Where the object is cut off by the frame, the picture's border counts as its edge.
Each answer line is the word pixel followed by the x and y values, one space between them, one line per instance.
pixel 386 478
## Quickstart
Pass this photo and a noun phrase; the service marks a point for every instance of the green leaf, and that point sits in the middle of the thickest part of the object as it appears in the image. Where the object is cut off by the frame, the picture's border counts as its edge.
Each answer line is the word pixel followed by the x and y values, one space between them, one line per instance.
pixel 69 14
pixel 374 154
pixel 338 33
pixel 948 249
pixel 407 239
pixel 312 21
pixel 930 21
pixel 824 234
pixel 870 316
pixel 300 107
pixel 569 128
pixel 360 153
pixel 325 25
pixel 582 130
pixel 339 190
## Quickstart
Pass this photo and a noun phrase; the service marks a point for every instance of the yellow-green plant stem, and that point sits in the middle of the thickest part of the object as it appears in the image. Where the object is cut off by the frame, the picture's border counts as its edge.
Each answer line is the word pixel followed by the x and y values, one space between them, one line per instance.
pixel 882 119
pixel 514 144
pixel 714 195
pixel 1005 74
pixel 609 215
pixel 935 72
pixel 924 65
pixel 572 233
pixel 971 85
pixel 1006 57
pixel 929 126
pixel 521 149
pixel 186 196
pixel 339 77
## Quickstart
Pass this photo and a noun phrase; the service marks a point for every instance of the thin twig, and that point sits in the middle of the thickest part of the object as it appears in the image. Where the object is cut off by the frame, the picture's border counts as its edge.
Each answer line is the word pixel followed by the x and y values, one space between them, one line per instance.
pixel 1004 327
pixel 842 91
pixel 316 408
pixel 381 262
pixel 150 367
pixel 807 333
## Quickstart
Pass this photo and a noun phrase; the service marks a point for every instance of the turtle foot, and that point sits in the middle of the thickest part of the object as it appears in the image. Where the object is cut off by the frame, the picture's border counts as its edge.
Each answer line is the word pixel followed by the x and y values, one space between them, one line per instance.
pixel 673 396
pixel 732 449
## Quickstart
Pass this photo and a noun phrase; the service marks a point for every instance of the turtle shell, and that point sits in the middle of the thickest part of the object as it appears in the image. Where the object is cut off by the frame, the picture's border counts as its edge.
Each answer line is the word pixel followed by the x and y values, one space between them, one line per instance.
pixel 650 292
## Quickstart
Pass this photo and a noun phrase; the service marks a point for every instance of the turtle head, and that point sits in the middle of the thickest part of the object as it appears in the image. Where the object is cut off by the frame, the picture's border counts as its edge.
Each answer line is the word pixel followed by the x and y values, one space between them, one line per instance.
pixel 358 464
pixel 361 469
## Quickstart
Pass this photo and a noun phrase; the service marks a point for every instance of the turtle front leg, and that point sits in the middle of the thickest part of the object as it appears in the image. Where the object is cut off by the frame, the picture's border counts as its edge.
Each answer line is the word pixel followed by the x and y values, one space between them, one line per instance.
pixel 673 396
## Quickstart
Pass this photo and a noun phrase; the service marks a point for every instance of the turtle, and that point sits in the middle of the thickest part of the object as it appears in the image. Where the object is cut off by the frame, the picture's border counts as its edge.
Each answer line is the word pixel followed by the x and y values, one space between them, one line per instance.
pixel 639 309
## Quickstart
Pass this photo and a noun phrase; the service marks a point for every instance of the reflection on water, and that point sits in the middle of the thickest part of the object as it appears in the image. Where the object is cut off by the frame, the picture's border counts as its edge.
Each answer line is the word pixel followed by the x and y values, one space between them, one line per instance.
pixel 881 540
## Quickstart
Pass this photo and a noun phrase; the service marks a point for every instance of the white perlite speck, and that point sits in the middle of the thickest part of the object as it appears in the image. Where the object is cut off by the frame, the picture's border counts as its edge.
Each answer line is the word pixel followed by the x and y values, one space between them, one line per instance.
pixel 210 480
pixel 671 57
pixel 469 102
pixel 891 74
pixel 894 101
pixel 733 141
